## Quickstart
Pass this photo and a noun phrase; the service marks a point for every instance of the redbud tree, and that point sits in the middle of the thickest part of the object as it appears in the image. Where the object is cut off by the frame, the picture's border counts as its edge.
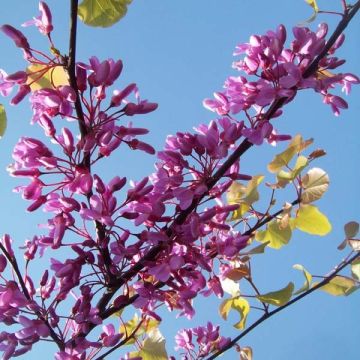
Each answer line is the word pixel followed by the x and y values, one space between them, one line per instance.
pixel 116 254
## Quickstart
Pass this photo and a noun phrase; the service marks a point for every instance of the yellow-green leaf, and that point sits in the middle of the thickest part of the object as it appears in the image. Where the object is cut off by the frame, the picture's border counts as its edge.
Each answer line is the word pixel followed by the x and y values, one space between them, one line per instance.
pixel 285 157
pixel 40 78
pixel 287 176
pixel 153 348
pixel 351 229
pixel 355 269
pixel 252 194
pixel 102 13
pixel 310 220
pixel 278 298
pixel 275 235
pixel 308 279
pixel 244 196
pixel 339 286
pixel 314 184
pixel 238 304
pixel 129 327
pixel 260 249
pixel 3 121
pixel 315 7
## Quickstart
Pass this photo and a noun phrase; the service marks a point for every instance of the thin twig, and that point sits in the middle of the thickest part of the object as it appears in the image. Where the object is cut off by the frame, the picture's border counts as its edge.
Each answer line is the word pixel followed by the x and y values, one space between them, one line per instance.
pixel 294 300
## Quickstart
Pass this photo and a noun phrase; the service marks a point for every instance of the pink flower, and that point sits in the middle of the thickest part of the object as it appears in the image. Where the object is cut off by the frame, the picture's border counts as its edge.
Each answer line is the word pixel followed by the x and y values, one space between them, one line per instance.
pixel 17 36
pixel 44 21
pixel 110 337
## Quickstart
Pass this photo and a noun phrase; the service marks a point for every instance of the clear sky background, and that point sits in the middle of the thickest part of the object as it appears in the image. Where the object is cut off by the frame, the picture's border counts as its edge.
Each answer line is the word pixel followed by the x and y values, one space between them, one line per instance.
pixel 180 52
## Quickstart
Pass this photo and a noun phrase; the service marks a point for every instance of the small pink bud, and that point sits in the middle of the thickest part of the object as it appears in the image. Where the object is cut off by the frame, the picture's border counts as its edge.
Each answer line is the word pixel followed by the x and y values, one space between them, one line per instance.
pixel 37 203
pixel 23 91
pixel 119 96
pixel 18 77
pixel 16 35
pixel 6 242
pixel 117 183
pixel 46 123
pixel 81 78
pixel 44 278
pixel 28 172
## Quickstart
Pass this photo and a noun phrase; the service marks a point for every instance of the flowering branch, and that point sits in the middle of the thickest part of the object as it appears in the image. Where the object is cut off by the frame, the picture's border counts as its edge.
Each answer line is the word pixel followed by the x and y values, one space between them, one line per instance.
pixel 240 150
pixel 271 313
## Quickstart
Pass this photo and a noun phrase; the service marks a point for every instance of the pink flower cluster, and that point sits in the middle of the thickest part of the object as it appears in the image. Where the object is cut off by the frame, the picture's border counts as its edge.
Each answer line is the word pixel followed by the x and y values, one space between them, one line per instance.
pixel 208 340
pixel 278 73
pixel 107 228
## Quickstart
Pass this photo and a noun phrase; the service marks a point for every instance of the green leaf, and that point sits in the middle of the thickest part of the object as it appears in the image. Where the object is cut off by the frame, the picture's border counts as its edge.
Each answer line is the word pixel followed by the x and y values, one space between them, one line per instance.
pixel 245 196
pixel 314 185
pixel 260 249
pixel 355 269
pixel 238 304
pixel 102 13
pixel 153 348
pixel 287 176
pixel 40 78
pixel 3 121
pixel 339 286
pixel 315 7
pixel 129 327
pixel 285 157
pixel 308 279
pixel 351 229
pixel 278 298
pixel 275 235
pixel 310 220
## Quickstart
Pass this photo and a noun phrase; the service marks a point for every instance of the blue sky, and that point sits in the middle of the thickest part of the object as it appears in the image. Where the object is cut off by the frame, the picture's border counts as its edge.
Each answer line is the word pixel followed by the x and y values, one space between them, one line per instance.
pixel 180 52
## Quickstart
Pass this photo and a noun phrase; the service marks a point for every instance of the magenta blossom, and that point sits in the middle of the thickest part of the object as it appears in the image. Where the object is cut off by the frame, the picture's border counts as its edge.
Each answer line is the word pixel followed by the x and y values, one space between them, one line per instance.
pixel 44 21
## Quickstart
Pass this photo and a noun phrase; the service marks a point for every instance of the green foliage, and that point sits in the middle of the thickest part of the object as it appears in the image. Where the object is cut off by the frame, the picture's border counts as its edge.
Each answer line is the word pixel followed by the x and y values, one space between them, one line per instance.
pixel 260 249
pixel 102 13
pixel 243 195
pixel 310 220
pixel 153 347
pixel 275 234
pixel 238 304
pixel 308 279
pixel 339 286
pixel 315 7
pixel 278 298
pixel 3 121
pixel 130 326
pixel 296 145
pixel 40 77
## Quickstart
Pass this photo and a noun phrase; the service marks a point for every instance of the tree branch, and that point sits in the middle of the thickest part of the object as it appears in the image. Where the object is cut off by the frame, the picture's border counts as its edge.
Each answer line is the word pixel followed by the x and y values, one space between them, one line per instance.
pixel 25 291
pixel 293 301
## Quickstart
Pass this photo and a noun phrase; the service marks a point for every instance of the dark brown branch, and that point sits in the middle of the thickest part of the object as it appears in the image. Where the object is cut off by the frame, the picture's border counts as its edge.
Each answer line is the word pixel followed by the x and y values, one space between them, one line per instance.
pixel 24 290
pixel 240 150
pixel 293 301
pixel 71 68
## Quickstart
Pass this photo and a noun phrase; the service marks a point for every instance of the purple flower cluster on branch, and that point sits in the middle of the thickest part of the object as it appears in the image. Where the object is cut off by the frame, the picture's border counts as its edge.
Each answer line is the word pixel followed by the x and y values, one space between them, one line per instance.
pixel 162 240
